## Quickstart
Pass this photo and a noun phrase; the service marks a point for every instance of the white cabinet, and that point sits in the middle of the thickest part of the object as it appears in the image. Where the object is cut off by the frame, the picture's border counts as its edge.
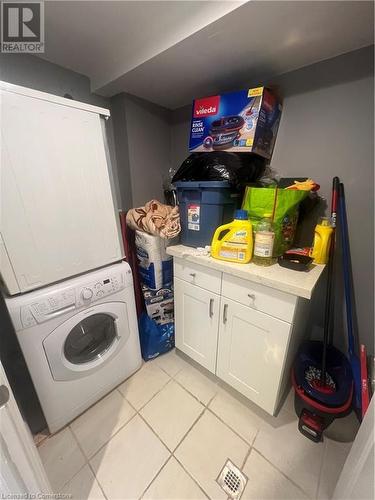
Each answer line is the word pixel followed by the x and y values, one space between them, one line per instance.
pixel 196 320
pixel 244 332
pixel 251 352
pixel 58 217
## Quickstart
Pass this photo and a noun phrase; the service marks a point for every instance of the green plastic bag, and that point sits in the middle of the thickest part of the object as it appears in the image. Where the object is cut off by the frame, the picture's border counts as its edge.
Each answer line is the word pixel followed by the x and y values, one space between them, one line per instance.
pixel 261 201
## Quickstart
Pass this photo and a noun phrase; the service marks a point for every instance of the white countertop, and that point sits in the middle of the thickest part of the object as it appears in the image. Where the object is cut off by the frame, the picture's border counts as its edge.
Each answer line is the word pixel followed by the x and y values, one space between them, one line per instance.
pixel 300 283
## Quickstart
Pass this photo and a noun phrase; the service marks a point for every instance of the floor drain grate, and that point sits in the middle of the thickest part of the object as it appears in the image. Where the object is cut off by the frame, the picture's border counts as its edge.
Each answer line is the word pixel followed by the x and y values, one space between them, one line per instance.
pixel 231 480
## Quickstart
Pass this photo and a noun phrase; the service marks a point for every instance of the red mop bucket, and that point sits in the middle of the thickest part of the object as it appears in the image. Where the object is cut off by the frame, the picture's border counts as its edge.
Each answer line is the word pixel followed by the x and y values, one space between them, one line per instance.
pixel 315 403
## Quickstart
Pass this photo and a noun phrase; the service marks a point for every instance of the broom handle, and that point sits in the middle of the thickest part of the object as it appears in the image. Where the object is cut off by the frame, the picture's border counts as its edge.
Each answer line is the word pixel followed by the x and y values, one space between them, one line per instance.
pixel 334 208
pixel 328 319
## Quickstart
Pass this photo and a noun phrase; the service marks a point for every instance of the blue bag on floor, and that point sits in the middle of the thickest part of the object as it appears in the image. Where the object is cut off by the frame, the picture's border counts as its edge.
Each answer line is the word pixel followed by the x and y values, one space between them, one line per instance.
pixel 155 339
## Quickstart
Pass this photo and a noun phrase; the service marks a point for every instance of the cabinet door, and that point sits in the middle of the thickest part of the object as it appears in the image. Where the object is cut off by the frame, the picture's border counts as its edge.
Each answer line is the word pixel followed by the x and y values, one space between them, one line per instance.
pixel 196 322
pixel 251 352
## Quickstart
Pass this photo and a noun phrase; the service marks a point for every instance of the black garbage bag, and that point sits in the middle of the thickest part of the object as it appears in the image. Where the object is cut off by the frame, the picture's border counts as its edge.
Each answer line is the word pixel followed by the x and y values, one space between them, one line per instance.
pixel 238 169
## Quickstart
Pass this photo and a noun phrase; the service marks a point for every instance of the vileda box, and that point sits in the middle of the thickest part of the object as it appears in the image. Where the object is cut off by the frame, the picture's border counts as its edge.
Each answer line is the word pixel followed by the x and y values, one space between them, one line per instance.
pixel 245 121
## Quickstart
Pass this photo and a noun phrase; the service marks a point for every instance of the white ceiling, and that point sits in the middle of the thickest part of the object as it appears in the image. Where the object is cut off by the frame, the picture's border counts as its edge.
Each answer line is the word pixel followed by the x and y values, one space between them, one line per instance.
pixel 170 52
pixel 106 39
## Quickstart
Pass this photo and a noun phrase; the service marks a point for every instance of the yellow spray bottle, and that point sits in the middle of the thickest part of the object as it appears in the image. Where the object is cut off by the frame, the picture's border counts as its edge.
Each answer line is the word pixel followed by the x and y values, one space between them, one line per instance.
pixel 233 242
pixel 322 241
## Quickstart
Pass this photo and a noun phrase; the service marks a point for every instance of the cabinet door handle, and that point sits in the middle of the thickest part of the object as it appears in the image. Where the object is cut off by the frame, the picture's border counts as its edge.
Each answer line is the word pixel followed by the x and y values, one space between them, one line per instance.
pixel 211 308
pixel 251 296
pixel 192 275
pixel 225 311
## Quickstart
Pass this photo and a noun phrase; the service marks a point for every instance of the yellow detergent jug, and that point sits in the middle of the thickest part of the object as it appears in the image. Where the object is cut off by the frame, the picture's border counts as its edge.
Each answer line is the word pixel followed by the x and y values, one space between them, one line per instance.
pixel 322 241
pixel 233 242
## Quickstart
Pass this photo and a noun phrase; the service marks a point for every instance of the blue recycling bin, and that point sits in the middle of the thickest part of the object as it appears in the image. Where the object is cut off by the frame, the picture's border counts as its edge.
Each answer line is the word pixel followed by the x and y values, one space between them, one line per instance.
pixel 204 205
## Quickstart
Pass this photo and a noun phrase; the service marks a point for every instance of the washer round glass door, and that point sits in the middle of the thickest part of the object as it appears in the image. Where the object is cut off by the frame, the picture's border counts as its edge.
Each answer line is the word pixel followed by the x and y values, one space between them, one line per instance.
pixel 90 338
pixel 87 340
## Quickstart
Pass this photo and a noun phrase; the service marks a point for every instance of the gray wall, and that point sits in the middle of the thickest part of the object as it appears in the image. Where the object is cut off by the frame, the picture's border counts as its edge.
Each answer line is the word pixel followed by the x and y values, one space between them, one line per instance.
pixel 180 135
pixel 31 71
pixel 36 73
pixel 327 129
pixel 121 150
pixel 143 146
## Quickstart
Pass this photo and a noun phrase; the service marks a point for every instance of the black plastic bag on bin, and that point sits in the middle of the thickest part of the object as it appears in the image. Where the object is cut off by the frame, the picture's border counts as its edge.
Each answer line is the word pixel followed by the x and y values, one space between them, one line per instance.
pixel 238 169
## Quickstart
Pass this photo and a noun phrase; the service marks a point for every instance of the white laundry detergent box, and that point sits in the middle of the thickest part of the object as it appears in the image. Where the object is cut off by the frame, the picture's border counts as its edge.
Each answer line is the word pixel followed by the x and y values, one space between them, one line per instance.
pixel 155 265
pixel 244 121
pixel 159 304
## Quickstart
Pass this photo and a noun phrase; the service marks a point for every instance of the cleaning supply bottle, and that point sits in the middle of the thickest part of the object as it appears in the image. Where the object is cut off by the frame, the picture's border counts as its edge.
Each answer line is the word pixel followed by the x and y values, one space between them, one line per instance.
pixel 264 241
pixel 233 242
pixel 322 241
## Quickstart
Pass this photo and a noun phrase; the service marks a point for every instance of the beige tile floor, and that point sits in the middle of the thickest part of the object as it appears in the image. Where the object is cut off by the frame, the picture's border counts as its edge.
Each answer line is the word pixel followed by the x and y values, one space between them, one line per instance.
pixel 167 431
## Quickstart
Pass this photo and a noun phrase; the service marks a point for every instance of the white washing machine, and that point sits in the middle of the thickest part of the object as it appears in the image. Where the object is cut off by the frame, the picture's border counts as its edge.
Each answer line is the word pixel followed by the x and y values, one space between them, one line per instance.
pixel 79 338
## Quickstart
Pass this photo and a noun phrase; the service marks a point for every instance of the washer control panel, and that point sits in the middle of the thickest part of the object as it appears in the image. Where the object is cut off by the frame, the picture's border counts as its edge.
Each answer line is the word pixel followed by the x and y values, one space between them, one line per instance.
pixel 96 290
pixel 57 303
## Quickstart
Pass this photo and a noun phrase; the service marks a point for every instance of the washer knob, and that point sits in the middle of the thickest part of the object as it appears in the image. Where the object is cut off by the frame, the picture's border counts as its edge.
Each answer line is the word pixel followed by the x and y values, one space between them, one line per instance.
pixel 87 293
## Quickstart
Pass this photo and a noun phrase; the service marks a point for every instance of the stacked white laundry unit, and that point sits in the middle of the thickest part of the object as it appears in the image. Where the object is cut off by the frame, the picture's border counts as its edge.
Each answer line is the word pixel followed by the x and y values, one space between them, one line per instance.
pixel 70 297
